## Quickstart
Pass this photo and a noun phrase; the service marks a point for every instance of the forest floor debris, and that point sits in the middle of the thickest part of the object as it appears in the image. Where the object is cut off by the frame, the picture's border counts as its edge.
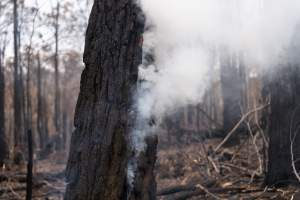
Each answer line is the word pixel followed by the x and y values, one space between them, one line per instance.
pixel 194 172
pixel 183 172
pixel 48 179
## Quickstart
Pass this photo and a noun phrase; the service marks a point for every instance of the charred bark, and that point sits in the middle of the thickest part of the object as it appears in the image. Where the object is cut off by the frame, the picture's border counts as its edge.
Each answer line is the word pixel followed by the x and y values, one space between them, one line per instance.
pixel 100 150
pixel 284 121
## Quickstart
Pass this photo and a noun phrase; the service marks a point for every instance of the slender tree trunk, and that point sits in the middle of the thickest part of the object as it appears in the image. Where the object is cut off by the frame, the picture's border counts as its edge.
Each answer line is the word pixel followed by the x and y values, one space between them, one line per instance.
pixel 17 96
pixel 57 109
pixel 100 149
pixel 28 91
pixel 28 79
pixel 29 166
pixel 3 143
pixel 284 125
pixel 39 104
pixel 64 119
pixel 21 84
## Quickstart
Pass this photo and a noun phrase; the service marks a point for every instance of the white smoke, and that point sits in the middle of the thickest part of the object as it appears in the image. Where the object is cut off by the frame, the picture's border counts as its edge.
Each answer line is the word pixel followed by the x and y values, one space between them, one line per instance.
pixel 184 36
pixel 187 37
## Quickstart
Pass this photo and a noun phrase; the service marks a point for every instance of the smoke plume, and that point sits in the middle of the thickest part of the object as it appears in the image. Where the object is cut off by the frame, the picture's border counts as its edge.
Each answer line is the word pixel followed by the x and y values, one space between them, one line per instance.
pixel 186 37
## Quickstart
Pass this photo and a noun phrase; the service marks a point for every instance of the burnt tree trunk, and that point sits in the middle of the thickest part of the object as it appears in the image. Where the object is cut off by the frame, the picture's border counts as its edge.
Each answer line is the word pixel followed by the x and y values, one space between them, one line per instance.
pixel 283 125
pixel 29 175
pixel 57 99
pixel 17 82
pixel 100 150
pixel 39 119
pixel 3 144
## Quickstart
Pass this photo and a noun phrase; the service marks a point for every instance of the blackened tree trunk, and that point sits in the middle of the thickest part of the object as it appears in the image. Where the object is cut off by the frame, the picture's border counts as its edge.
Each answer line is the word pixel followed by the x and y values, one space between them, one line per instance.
pixel 57 100
pixel 39 104
pixel 17 91
pixel 100 150
pixel 3 144
pixel 283 125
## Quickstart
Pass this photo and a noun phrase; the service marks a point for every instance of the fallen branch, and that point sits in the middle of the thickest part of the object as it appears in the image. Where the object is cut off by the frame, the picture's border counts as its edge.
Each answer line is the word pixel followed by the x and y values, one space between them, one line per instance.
pixel 182 188
pixel 176 189
pixel 208 192
pixel 238 124
pixel 230 191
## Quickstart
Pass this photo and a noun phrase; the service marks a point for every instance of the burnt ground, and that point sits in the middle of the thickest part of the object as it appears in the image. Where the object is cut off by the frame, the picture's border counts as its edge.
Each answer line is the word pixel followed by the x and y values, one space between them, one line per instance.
pixel 190 171
pixel 48 181
pixel 194 171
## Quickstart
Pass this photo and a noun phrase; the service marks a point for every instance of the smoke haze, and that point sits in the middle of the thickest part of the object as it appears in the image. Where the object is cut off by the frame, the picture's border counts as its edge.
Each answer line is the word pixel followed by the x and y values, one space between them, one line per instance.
pixel 187 37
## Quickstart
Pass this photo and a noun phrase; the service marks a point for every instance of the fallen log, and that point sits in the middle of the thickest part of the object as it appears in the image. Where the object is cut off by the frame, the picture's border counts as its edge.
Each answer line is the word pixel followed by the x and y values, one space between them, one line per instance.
pixel 176 189
pixel 182 188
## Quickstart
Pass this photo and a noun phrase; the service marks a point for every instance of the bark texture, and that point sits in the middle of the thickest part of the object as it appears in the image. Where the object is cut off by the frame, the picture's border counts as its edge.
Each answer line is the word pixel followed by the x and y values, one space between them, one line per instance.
pixel 100 150
pixel 284 122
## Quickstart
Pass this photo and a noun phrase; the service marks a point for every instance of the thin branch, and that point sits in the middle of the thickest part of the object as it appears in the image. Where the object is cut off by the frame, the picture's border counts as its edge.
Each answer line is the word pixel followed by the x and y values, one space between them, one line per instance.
pixel 238 124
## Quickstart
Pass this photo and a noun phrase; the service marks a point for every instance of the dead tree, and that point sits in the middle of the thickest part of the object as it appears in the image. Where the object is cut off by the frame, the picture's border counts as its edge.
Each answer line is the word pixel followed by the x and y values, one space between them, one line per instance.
pixel 39 104
pixel 17 82
pixel 3 143
pixel 28 124
pixel 57 104
pixel 29 166
pixel 284 120
pixel 100 149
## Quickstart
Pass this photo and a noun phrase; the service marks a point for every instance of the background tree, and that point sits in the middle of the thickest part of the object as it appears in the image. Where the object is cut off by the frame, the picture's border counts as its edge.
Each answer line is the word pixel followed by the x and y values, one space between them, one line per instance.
pixel 18 131
pixel 3 142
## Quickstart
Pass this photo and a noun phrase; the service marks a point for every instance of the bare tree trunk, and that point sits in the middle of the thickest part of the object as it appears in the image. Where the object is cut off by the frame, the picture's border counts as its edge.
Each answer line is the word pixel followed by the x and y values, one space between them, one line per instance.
pixel 64 111
pixel 284 125
pixel 3 143
pixel 57 109
pixel 17 92
pixel 100 149
pixel 28 79
pixel 28 95
pixel 39 104
pixel 29 166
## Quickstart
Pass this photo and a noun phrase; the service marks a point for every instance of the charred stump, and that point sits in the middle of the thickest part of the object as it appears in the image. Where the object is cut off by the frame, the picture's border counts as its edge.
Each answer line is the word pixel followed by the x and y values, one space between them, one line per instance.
pixel 283 89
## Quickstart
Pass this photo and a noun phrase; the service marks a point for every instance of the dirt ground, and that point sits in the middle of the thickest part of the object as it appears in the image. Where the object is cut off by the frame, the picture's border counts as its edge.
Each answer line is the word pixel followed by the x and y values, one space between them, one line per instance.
pixel 191 171
pixel 48 181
